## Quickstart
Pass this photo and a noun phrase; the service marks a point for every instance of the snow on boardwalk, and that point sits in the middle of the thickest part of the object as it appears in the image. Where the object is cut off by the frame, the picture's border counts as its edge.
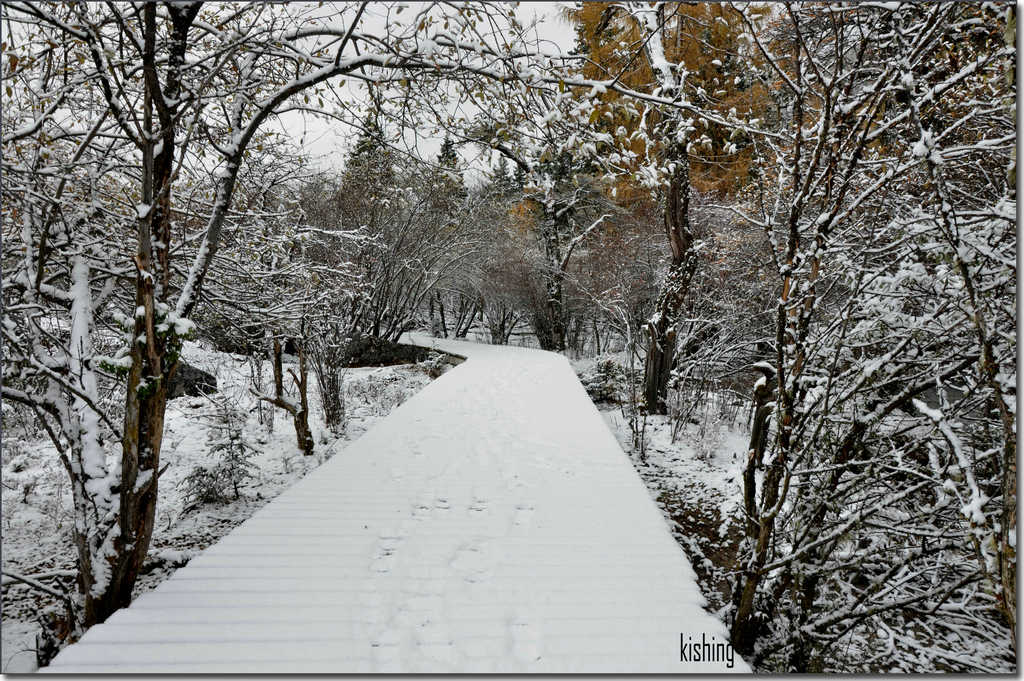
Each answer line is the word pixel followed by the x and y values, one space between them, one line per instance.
pixel 489 524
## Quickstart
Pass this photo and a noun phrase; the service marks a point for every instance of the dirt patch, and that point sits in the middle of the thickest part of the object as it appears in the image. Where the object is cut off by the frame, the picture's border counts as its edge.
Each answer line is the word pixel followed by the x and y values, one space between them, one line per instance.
pixel 710 541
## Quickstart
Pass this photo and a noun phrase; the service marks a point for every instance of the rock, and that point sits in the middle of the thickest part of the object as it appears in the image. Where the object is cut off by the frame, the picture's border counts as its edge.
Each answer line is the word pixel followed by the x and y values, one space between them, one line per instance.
pixel 189 380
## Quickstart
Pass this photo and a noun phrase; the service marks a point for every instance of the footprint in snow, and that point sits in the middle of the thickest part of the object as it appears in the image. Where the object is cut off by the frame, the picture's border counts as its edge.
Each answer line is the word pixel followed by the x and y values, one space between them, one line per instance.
pixel 397 473
pixel 383 562
pixel 422 509
pixel 389 539
pixel 479 503
pixel 523 514
pixel 386 652
pixel 434 641
pixel 373 605
pixel 475 561
pixel 525 638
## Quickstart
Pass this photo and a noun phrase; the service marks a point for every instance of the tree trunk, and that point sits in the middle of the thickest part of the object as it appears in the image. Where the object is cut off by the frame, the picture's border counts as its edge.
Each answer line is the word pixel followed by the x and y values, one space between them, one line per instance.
pixel 550 326
pixel 661 337
pixel 1008 523
pixel 463 330
pixel 746 626
pixel 267 351
pixel 554 224
pixel 443 321
pixel 744 634
pixel 435 329
pixel 501 325
pixel 1007 540
pixel 155 359
pixel 300 411
pixel 497 329
pixel 658 364
pixel 574 336
pixel 303 435
pixel 327 358
pixel 542 329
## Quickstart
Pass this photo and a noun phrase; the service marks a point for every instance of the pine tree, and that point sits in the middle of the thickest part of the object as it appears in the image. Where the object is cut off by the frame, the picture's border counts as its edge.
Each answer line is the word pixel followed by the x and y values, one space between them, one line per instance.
pixel 369 169
pixel 450 185
pixel 503 183
pixel 227 442
pixel 233 465
pixel 448 158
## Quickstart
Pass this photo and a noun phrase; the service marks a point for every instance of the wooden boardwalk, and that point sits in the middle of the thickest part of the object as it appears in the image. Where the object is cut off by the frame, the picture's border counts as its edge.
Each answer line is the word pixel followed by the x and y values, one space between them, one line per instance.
pixel 489 524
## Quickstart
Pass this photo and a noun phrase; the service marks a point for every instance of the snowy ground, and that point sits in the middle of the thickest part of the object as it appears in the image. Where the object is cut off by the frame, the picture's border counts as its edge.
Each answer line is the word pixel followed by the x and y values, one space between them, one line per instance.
pixel 491 523
pixel 36 513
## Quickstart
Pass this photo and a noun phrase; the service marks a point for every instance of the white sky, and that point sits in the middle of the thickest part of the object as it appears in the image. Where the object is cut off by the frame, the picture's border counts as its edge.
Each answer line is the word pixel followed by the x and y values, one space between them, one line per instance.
pixel 327 141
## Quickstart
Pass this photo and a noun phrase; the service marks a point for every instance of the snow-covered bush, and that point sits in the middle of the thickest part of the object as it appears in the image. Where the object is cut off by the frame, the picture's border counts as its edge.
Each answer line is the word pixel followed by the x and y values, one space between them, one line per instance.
pixel 329 367
pixel 15 458
pixel 204 484
pixel 709 435
pixel 435 365
pixel 381 393
pixel 234 465
pixel 606 381
pixel 16 418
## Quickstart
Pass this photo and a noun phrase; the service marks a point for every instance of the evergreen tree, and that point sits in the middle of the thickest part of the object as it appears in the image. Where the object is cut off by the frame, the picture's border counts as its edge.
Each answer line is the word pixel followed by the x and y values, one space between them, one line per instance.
pixel 450 187
pixel 369 168
pixel 448 158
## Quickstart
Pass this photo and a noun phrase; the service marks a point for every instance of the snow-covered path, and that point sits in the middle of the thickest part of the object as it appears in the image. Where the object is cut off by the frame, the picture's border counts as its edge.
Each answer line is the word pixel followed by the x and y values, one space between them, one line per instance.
pixel 489 524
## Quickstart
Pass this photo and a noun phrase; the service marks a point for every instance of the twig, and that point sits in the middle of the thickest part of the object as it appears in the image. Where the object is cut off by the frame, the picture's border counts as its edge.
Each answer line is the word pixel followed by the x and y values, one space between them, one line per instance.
pixel 14 577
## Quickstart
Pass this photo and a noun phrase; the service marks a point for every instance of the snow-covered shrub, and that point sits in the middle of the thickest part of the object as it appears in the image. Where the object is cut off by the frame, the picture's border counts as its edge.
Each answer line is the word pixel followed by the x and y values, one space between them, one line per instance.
pixel 330 355
pixel 331 382
pixel 381 393
pixel 435 365
pixel 709 436
pixel 233 465
pixel 16 418
pixel 288 462
pixel 606 381
pixel 204 484
pixel 52 503
pixel 19 483
pixel 15 458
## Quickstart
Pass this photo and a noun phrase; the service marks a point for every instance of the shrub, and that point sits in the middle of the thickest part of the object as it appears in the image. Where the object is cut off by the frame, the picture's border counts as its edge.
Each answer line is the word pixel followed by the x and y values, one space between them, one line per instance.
pixel 435 365
pixel 606 381
pixel 233 463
